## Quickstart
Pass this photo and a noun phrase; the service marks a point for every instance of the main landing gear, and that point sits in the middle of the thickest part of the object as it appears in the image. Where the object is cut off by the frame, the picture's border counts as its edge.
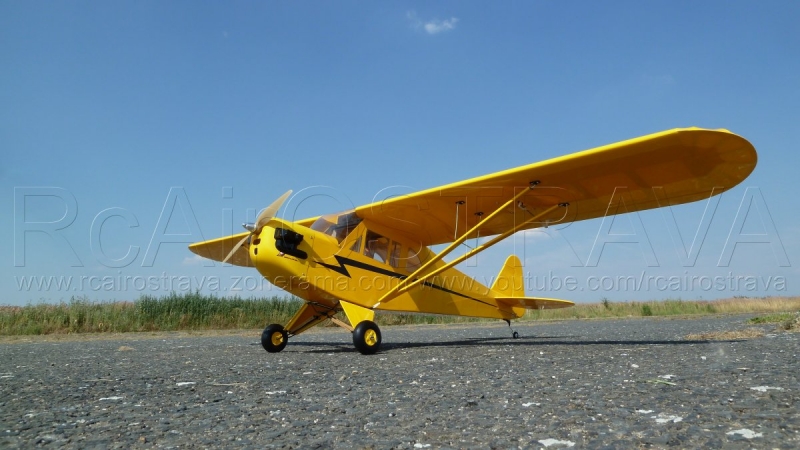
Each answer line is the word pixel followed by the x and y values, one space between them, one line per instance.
pixel 366 337
pixel 274 338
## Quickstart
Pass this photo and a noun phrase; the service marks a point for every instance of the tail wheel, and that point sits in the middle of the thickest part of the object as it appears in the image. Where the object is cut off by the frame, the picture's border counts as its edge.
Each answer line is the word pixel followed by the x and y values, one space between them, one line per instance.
pixel 274 338
pixel 367 337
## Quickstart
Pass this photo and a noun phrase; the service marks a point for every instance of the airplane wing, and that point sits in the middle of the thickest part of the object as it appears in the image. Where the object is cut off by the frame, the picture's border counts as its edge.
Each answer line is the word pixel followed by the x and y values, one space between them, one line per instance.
pixel 667 168
pixel 218 249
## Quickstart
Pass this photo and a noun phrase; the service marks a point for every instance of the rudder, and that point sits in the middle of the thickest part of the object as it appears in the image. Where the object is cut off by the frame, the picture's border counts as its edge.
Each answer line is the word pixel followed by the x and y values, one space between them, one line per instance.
pixel 509 282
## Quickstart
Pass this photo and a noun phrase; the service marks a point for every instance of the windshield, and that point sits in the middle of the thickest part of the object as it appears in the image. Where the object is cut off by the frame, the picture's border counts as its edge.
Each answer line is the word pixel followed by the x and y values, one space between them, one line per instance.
pixel 337 225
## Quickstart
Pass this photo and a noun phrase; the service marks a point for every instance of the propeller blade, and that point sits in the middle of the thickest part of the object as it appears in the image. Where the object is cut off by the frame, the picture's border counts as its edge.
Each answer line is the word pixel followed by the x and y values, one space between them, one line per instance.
pixel 235 248
pixel 266 215
pixel 269 212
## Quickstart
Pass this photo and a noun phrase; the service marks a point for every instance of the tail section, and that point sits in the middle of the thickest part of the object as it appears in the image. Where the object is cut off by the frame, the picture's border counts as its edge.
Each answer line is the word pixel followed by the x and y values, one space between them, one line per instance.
pixel 509 289
pixel 509 283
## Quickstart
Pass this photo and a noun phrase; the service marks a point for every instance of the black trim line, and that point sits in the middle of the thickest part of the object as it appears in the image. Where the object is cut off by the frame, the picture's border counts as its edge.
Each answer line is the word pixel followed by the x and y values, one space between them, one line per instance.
pixel 342 270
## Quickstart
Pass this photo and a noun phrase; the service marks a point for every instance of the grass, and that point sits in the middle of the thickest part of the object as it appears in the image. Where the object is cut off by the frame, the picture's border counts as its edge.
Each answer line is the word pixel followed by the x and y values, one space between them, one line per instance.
pixel 772 318
pixel 786 321
pixel 676 307
pixel 194 311
pixel 190 311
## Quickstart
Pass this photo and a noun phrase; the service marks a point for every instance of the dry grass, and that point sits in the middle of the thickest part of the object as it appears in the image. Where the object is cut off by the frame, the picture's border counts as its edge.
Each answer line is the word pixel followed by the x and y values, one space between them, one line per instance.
pixel 731 335
pixel 678 307
pixel 760 305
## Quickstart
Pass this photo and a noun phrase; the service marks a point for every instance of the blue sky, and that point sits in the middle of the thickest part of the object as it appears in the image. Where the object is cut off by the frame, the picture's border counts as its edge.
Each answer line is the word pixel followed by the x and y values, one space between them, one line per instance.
pixel 135 127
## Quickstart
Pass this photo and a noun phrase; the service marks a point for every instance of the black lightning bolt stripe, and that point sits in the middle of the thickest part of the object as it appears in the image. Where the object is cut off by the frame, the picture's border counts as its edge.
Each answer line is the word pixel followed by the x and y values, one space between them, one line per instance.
pixel 341 269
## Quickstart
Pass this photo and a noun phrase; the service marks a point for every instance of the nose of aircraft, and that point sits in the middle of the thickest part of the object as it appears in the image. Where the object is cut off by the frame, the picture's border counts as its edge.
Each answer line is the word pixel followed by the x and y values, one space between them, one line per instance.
pixel 274 253
pixel 266 215
pixel 259 242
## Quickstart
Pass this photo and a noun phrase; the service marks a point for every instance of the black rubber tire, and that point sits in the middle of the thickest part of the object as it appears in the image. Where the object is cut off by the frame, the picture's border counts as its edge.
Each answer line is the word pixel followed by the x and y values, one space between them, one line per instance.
pixel 367 337
pixel 274 338
pixel 515 335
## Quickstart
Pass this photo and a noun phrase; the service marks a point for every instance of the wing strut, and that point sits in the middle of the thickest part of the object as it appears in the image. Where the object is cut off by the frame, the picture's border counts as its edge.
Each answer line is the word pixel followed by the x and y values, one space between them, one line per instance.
pixel 405 284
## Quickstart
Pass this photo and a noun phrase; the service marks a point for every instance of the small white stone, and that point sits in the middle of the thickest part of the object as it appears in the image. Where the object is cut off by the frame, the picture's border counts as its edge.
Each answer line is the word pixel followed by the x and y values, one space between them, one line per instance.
pixel 766 388
pixel 548 442
pixel 745 433
pixel 665 418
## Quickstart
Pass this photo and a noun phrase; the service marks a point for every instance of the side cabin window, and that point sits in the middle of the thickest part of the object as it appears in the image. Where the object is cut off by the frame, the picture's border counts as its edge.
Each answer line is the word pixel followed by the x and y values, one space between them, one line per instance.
pixel 377 247
pixel 387 251
pixel 356 247
pixel 395 254
pixel 413 262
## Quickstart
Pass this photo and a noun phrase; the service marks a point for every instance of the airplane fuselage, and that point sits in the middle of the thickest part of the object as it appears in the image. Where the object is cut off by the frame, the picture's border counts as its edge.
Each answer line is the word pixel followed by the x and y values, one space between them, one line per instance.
pixel 323 270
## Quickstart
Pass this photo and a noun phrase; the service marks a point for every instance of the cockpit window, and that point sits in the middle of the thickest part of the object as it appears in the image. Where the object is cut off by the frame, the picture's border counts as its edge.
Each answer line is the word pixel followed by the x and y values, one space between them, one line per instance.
pixel 394 255
pixel 356 247
pixel 376 247
pixel 337 225
pixel 412 262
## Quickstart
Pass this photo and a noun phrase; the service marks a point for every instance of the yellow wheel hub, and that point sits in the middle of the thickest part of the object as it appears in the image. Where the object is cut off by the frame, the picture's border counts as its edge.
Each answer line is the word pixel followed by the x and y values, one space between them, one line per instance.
pixel 277 338
pixel 371 337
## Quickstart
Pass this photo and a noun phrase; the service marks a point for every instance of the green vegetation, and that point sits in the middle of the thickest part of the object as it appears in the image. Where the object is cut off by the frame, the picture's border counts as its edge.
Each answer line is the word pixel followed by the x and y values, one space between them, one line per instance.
pixel 606 308
pixel 191 311
pixel 772 318
pixel 786 321
pixel 195 311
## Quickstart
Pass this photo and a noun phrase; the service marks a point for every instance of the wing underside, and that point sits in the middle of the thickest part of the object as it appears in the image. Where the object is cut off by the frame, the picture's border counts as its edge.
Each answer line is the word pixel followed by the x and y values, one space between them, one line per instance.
pixel 662 169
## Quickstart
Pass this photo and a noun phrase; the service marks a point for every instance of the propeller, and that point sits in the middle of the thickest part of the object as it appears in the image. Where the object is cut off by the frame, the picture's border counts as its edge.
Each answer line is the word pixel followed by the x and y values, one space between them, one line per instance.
pixel 266 215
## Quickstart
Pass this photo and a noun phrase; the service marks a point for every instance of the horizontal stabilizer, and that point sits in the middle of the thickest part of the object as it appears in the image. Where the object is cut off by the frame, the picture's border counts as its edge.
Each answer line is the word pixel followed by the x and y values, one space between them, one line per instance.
pixel 535 302
pixel 218 249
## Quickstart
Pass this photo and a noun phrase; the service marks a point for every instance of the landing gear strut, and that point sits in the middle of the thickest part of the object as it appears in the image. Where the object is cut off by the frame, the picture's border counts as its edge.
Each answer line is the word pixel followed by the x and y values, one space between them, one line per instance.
pixel 274 338
pixel 514 334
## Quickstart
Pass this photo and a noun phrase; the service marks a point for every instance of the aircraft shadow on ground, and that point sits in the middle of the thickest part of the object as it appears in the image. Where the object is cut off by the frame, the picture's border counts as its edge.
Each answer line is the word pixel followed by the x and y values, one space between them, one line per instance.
pixel 533 341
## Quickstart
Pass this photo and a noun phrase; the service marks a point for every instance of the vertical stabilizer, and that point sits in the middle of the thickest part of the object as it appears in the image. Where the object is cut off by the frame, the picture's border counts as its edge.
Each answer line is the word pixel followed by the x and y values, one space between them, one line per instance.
pixel 509 282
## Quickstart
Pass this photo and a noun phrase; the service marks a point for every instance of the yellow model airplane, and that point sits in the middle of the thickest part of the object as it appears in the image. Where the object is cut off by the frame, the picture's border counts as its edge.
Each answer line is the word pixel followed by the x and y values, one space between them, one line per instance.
pixel 376 257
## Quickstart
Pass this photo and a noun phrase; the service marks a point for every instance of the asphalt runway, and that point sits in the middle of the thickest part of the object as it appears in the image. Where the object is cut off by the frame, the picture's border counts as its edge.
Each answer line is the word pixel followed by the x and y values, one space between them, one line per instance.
pixel 580 384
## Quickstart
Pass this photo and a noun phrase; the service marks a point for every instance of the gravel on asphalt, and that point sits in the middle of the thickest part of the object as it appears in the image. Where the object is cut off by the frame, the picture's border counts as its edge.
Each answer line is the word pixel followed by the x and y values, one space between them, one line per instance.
pixel 599 384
